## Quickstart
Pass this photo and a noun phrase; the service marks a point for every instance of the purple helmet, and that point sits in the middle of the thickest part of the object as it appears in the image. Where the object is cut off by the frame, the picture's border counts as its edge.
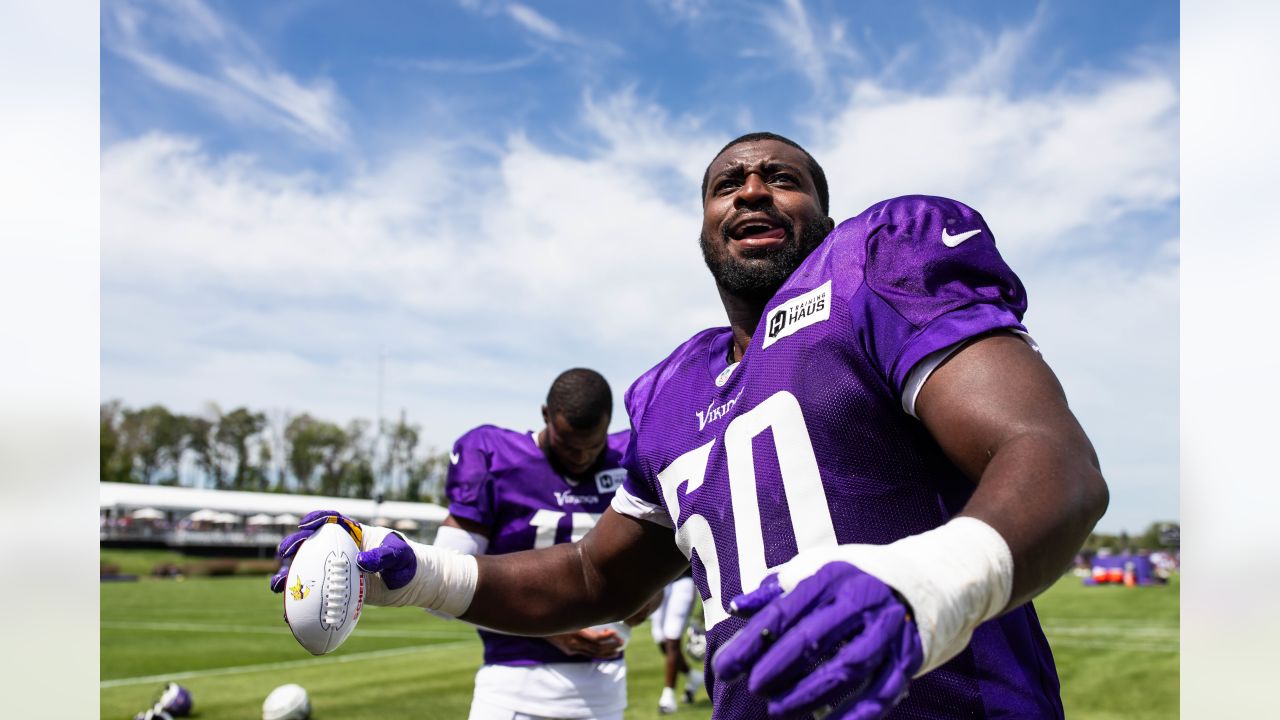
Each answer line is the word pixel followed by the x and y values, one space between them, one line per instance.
pixel 174 702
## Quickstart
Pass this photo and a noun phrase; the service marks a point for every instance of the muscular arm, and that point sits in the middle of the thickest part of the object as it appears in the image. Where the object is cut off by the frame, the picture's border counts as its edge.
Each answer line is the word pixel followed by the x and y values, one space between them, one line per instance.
pixel 607 575
pixel 645 610
pixel 1000 415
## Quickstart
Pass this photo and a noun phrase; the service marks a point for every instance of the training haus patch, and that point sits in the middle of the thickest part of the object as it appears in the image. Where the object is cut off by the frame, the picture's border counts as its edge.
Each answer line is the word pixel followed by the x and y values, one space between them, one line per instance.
pixel 798 313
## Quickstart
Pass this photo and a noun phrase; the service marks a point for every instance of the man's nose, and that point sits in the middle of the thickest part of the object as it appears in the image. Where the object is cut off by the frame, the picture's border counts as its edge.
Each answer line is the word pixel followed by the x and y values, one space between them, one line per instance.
pixel 753 192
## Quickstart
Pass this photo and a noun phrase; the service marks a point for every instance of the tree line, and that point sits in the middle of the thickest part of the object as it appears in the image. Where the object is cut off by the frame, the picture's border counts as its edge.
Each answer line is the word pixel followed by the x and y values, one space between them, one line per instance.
pixel 1161 535
pixel 247 450
pixel 243 449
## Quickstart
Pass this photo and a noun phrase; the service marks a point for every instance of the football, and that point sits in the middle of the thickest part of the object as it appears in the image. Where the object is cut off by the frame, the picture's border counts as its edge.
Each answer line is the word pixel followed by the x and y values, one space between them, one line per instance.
pixel 324 592
pixel 287 702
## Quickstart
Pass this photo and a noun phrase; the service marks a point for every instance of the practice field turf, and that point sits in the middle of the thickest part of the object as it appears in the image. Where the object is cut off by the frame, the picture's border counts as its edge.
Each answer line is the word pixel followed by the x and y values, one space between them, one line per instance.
pixel 224 639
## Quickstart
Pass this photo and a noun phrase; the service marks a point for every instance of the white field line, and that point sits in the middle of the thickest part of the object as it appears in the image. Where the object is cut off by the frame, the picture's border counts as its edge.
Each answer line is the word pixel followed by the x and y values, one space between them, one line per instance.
pixel 1112 634
pixel 1113 621
pixel 1150 631
pixel 1115 645
pixel 265 667
pixel 1110 622
pixel 263 630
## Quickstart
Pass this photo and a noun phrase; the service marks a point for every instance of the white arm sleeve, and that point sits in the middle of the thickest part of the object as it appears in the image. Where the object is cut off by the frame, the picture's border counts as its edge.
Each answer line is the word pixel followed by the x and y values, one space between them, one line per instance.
pixel 624 503
pixel 460 541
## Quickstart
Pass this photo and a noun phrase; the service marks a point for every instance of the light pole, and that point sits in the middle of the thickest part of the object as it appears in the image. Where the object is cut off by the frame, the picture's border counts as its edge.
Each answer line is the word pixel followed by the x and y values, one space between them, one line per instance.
pixel 378 444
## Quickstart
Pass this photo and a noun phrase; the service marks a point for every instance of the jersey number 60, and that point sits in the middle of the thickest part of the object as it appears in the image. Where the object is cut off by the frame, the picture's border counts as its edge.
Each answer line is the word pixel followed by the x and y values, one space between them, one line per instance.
pixel 801 481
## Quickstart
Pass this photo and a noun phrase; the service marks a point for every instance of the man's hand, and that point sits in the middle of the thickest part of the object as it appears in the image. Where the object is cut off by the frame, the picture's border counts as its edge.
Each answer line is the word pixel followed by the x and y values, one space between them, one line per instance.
pixel 392 558
pixel 841 617
pixel 603 644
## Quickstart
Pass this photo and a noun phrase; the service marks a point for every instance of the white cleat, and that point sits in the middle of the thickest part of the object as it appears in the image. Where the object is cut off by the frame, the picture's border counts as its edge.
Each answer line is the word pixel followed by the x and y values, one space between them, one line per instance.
pixel 667 703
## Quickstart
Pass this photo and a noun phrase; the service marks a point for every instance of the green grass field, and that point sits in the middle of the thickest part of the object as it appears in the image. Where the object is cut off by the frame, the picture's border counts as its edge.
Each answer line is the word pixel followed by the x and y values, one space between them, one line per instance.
pixel 224 639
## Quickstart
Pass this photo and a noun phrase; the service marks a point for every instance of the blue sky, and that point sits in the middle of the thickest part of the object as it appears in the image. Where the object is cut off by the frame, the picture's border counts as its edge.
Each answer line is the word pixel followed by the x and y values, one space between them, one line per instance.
pixel 491 192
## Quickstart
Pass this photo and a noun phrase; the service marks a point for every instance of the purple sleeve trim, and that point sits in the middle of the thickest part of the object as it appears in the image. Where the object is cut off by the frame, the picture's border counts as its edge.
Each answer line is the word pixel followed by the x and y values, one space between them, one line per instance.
pixel 949 329
pixel 466 512
pixel 639 489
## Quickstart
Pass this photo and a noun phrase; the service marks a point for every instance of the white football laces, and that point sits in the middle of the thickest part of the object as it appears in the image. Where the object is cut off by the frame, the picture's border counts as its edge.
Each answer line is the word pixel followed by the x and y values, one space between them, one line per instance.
pixel 337 586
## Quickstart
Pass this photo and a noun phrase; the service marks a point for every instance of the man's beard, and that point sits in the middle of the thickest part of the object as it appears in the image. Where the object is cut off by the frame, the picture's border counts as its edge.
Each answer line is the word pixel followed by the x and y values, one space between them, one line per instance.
pixel 759 276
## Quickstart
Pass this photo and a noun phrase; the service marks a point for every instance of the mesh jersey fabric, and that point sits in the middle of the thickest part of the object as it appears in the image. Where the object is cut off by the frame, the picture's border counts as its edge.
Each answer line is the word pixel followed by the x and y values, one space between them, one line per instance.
pixel 804 443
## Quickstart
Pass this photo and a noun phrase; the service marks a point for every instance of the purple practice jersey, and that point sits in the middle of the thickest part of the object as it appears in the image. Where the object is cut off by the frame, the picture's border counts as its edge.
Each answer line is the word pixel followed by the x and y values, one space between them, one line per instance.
pixel 805 444
pixel 502 480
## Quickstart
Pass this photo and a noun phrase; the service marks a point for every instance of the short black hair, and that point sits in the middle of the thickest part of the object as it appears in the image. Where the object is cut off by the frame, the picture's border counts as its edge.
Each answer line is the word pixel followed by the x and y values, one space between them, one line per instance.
pixel 819 177
pixel 582 396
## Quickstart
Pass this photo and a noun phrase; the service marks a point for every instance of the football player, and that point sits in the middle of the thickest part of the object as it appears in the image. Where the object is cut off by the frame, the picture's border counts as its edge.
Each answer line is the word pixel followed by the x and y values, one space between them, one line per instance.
pixel 511 491
pixel 667 625
pixel 871 469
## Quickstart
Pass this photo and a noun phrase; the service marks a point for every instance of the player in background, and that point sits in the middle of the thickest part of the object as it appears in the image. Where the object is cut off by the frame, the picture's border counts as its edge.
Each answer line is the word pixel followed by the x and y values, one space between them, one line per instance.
pixel 667 624
pixel 511 491
pixel 871 469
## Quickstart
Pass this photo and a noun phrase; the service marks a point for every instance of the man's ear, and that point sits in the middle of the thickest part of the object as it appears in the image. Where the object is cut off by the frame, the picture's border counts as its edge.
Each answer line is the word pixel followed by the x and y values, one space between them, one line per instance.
pixel 831 224
pixel 546 416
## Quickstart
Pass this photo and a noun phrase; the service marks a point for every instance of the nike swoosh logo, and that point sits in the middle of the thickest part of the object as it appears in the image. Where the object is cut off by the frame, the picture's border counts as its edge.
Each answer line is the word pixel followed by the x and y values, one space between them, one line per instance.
pixel 453 458
pixel 954 240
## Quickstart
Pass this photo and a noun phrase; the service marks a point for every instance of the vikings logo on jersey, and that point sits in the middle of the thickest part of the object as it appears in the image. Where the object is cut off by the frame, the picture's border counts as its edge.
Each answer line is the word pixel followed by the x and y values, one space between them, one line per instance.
pixel 812 448
pixel 715 412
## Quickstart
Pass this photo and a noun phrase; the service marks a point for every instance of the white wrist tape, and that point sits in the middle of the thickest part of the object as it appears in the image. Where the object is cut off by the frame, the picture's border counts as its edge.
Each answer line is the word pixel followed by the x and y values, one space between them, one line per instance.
pixel 444 582
pixel 954 577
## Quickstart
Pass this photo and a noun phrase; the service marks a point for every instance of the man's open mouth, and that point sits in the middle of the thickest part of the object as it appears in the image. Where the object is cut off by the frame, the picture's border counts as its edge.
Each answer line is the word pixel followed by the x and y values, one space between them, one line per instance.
pixel 757 231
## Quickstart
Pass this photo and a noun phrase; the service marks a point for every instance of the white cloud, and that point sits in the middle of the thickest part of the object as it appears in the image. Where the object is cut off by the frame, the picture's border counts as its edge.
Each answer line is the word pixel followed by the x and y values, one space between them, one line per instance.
pixel 544 28
pixel 984 60
pixel 640 134
pixel 686 10
pixel 264 287
pixel 536 22
pixel 451 66
pixel 1111 335
pixel 231 74
pixel 1044 169
pixel 809 46
pixel 484 276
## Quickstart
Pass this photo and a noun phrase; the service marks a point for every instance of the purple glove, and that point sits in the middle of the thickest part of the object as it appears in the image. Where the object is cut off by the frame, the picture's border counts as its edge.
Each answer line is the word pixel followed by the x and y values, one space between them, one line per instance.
pixel 394 559
pixel 840 638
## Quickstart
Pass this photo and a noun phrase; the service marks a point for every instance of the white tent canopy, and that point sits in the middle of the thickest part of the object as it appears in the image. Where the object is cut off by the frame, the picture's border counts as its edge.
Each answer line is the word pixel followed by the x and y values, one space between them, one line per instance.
pixel 406 524
pixel 203 515
pixel 146 513
pixel 123 498
pixel 260 519
pixel 286 519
